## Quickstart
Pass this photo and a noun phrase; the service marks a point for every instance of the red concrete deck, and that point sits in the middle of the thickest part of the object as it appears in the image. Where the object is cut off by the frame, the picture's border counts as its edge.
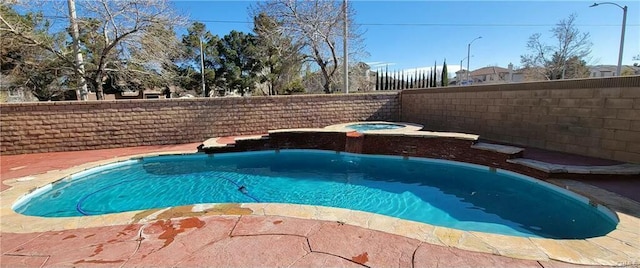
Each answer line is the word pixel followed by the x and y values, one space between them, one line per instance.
pixel 16 166
pixel 229 241
pixel 238 241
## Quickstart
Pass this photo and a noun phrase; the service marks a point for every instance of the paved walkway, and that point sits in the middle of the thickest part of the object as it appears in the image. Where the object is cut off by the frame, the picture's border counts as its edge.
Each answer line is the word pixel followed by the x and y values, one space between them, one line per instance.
pixel 236 240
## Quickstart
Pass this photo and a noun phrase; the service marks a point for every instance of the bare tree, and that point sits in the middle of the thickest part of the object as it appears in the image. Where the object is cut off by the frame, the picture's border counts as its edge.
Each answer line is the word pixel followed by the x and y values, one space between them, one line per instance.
pixel 124 39
pixel 551 61
pixel 317 26
pixel 137 38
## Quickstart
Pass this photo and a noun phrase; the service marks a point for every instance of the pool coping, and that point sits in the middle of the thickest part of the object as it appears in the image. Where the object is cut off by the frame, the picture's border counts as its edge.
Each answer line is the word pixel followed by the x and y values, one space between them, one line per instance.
pixel 620 169
pixel 619 247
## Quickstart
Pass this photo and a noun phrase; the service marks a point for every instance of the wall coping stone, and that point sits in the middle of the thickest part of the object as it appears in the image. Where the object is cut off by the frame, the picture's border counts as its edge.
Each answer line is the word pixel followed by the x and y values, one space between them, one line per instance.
pixel 374 95
pixel 608 82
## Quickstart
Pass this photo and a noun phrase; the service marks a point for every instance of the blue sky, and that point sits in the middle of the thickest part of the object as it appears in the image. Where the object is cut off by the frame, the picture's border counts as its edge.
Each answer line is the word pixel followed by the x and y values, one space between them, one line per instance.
pixel 414 34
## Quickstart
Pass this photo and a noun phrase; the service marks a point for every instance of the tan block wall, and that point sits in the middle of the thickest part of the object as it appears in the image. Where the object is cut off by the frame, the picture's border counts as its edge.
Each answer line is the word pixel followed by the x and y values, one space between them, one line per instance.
pixel 70 126
pixel 593 117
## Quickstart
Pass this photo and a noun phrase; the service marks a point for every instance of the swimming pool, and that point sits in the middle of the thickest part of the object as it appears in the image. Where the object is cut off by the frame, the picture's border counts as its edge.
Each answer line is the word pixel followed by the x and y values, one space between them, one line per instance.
pixel 438 192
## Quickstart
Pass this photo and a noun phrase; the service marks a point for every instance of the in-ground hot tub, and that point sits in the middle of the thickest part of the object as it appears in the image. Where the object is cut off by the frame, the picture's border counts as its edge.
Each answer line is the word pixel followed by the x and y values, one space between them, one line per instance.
pixel 361 127
pixel 376 126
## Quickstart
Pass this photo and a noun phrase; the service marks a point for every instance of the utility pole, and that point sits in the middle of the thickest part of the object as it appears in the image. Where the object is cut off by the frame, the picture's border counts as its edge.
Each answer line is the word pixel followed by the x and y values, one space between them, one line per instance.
pixel 204 92
pixel 75 35
pixel 345 50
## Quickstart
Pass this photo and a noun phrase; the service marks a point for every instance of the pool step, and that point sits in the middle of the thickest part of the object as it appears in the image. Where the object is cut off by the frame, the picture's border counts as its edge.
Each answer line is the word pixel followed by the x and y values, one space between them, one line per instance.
pixel 252 138
pixel 620 169
pixel 228 142
pixel 213 143
pixel 503 149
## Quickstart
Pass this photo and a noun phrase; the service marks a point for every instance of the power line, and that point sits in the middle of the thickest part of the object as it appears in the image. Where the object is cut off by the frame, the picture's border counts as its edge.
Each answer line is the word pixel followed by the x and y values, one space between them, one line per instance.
pixel 419 24
pixel 486 25
pixel 443 24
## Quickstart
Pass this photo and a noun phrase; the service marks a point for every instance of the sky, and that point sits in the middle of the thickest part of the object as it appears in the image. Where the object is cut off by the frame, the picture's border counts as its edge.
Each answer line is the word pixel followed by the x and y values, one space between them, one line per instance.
pixel 416 34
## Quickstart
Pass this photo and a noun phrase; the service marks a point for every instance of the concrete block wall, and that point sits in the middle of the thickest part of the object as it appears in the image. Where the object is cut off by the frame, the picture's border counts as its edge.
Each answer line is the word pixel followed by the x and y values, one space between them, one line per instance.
pixel 69 126
pixel 593 117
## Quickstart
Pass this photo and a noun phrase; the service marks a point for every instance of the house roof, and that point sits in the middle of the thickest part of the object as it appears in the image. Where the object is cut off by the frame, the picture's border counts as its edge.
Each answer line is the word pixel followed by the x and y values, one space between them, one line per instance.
pixel 610 68
pixel 489 70
pixel 603 68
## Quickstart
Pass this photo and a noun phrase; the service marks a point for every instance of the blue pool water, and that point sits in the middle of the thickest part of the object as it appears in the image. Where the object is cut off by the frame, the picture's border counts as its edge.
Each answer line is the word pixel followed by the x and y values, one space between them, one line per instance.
pixel 373 126
pixel 438 192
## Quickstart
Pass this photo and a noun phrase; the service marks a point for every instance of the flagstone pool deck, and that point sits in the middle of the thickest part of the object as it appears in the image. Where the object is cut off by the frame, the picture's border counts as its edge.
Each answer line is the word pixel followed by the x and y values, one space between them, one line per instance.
pixel 270 235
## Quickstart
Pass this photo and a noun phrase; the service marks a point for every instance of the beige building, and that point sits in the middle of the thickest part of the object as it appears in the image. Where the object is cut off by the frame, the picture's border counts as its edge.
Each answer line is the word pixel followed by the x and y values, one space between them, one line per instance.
pixel 610 70
pixel 488 75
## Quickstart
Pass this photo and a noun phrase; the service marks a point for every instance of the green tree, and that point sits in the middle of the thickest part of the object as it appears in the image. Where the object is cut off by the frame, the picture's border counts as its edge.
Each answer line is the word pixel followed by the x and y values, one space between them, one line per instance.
pixel 414 80
pixel 14 52
pixel 404 82
pixel 434 76
pixel 444 80
pixel 239 61
pixel 395 80
pixel 196 60
pixel 293 87
pixel 46 81
pixel 386 78
pixel 25 58
pixel 278 54
pixel 626 71
pixel 428 79
pixel 574 67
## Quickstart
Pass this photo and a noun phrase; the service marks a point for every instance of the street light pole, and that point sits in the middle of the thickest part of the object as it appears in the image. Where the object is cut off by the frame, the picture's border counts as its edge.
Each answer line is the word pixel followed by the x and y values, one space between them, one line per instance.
pixel 469 55
pixel 460 78
pixel 624 24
